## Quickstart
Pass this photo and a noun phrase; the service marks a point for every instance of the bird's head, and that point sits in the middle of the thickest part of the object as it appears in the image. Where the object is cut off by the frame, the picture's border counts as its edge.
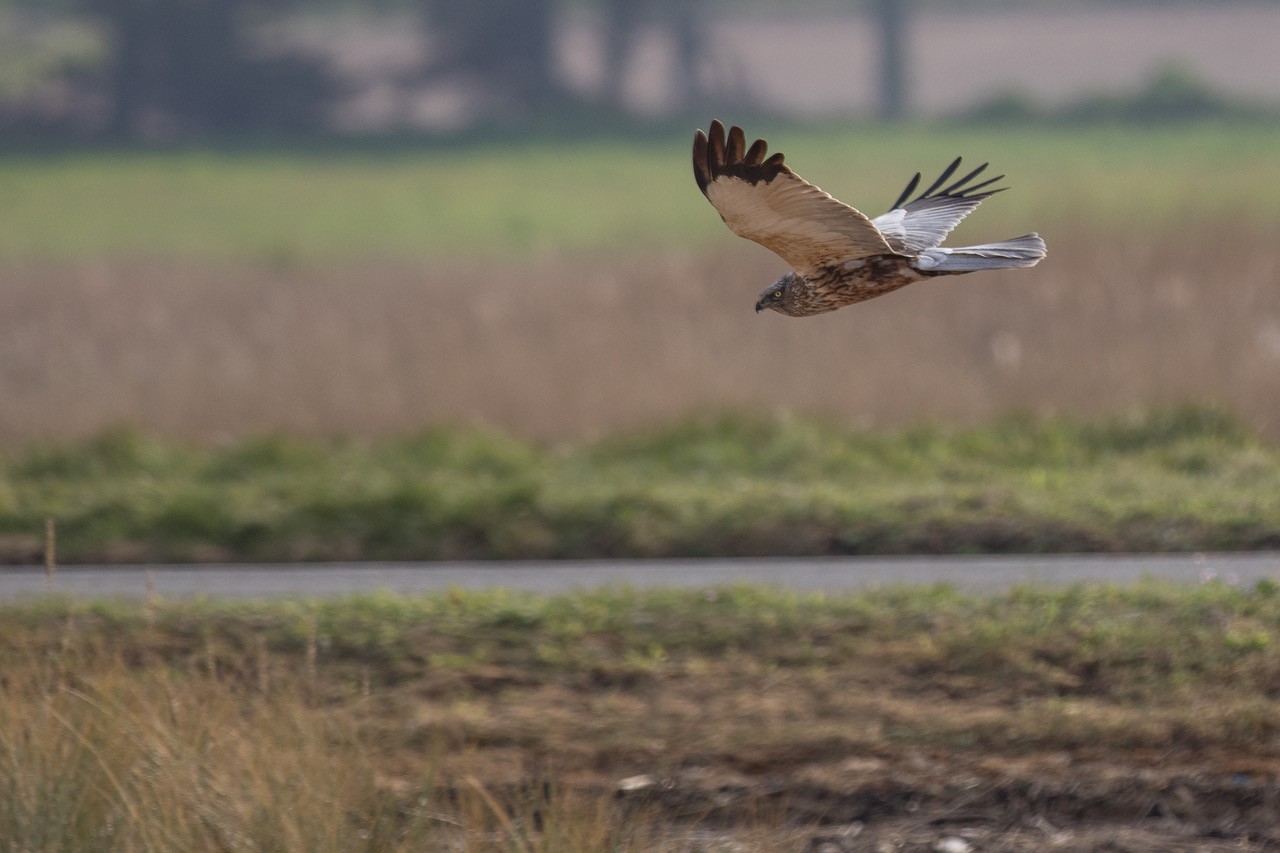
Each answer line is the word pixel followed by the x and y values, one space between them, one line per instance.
pixel 779 296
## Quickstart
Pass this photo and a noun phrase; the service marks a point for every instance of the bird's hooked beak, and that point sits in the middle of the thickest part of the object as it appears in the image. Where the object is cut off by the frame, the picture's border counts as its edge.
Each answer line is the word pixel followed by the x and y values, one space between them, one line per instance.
pixel 759 305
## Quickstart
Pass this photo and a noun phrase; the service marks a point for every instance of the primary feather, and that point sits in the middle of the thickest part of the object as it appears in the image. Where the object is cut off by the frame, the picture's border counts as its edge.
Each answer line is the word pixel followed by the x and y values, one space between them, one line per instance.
pixel 764 201
pixel 926 221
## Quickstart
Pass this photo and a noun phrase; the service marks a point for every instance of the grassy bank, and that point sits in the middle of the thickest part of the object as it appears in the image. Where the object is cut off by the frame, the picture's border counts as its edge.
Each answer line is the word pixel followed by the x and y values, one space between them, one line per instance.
pixel 1182 480
pixel 506 199
pixel 501 721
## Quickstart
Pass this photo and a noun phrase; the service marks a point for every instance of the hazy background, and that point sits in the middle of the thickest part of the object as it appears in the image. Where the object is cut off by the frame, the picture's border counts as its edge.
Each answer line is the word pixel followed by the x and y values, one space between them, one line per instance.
pixel 239 224
pixel 231 217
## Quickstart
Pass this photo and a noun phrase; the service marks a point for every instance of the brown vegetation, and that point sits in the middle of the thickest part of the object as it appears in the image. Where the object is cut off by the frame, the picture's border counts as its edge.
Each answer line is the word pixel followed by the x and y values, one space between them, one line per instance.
pixel 717 720
pixel 566 346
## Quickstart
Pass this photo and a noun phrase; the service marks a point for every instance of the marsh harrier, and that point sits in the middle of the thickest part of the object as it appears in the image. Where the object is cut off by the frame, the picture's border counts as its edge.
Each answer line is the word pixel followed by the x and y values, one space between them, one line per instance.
pixel 838 255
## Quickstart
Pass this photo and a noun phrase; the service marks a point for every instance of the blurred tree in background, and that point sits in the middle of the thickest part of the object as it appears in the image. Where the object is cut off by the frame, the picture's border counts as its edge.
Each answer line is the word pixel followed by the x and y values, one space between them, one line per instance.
pixel 891 22
pixel 178 67
pixel 506 46
pixel 171 69
pixel 624 20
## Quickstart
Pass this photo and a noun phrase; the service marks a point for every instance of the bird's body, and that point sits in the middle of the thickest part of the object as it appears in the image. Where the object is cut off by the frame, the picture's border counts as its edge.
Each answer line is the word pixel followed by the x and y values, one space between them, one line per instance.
pixel 839 256
pixel 836 287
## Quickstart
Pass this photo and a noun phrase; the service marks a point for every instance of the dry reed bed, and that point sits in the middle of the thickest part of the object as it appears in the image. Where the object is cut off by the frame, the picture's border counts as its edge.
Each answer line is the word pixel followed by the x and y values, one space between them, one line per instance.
pixel 567 346
pixel 114 759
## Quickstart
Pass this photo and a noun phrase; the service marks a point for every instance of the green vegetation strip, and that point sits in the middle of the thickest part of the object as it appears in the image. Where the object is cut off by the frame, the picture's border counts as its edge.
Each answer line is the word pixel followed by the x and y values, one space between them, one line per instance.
pixel 1188 479
pixel 1122 646
pixel 509 198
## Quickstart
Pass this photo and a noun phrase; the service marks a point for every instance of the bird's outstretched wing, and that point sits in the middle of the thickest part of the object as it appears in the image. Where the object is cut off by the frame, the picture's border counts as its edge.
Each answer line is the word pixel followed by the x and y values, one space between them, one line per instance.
pixel 911 227
pixel 763 200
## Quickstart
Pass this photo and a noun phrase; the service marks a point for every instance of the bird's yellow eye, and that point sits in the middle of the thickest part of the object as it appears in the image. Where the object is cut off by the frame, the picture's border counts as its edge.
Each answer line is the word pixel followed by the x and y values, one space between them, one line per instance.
pixel 777 294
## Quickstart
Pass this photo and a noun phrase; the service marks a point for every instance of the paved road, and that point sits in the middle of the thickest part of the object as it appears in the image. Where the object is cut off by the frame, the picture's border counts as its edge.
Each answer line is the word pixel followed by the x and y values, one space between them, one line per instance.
pixel 330 579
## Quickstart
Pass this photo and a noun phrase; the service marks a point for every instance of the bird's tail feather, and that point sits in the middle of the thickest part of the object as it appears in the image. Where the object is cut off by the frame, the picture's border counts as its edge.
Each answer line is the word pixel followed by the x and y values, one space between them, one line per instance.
pixel 1025 251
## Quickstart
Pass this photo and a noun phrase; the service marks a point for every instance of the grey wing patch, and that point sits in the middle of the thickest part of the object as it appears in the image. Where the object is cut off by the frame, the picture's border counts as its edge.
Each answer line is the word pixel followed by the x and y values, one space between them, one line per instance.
pixel 914 226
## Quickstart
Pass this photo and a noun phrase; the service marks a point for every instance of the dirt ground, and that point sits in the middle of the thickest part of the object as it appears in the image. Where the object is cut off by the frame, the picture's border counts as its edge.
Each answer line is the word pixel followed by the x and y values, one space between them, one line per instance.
pixel 935 801
pixel 901 748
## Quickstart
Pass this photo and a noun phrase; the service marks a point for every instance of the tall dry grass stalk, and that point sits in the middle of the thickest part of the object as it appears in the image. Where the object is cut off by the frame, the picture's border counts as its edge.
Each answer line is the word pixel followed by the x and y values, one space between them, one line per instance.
pixel 573 346
pixel 110 761
pixel 50 552
pixel 104 754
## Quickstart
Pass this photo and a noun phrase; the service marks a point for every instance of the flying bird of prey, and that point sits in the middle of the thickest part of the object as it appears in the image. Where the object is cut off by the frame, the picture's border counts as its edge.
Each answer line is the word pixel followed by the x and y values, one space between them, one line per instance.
pixel 837 254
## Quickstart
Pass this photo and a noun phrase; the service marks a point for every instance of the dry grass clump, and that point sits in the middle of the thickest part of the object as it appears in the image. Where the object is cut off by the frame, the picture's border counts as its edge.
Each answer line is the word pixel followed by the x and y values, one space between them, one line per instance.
pixel 107 748
pixel 566 346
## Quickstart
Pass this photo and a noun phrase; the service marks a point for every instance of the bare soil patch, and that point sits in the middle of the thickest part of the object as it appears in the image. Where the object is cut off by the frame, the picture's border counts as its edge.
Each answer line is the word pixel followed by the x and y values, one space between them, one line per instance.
pixel 879 758
pixel 938 803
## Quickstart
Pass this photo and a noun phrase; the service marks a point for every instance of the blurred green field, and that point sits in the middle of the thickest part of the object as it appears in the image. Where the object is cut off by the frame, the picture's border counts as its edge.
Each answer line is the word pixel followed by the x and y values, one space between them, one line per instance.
pixel 510 198
pixel 1174 481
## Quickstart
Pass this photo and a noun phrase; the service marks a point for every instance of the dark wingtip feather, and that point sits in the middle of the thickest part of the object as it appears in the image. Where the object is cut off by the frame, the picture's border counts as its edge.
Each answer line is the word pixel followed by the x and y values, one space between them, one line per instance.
pixel 701 171
pixel 715 146
pixel 976 188
pixel 946 174
pixel 906 194
pixel 957 189
pixel 966 179
pixel 718 153
pixel 736 146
